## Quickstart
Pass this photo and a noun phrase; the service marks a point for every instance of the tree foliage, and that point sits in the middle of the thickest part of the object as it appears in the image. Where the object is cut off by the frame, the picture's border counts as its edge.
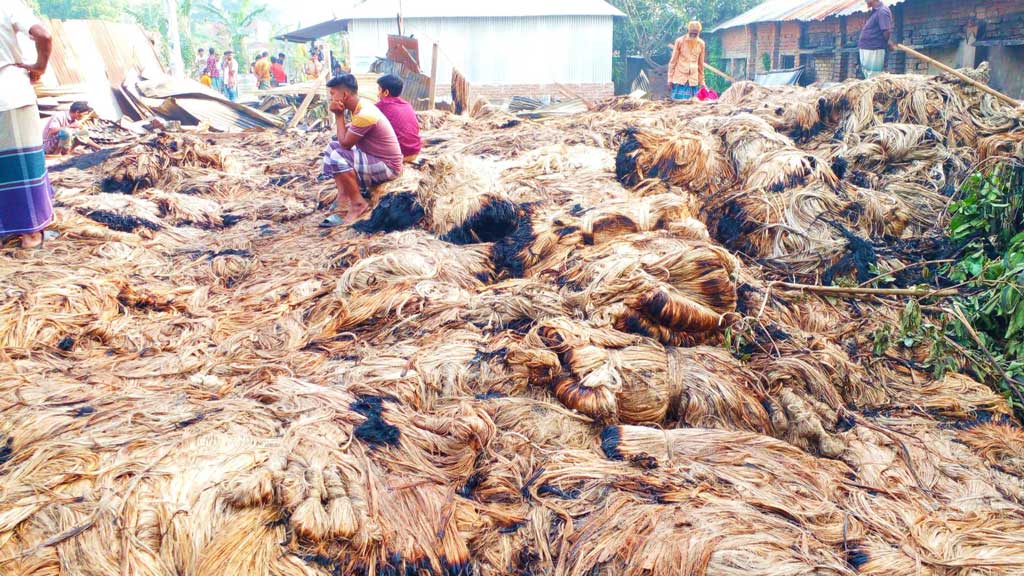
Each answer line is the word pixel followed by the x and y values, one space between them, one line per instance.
pixel 650 26
pixel 235 18
pixel 78 9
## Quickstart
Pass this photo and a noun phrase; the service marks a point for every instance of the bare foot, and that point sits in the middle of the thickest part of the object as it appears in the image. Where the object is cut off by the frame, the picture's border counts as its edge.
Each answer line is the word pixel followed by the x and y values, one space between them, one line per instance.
pixel 33 240
pixel 356 212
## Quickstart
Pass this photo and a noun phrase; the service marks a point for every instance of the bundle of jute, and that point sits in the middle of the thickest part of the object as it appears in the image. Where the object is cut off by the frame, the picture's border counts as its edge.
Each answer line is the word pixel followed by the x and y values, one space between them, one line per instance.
pixel 600 372
pixel 157 162
pixel 463 200
pixel 183 210
pixel 670 212
pixel 790 227
pixel 118 212
pixel 693 161
pixel 682 286
pixel 711 389
pixel 748 139
pixel 788 168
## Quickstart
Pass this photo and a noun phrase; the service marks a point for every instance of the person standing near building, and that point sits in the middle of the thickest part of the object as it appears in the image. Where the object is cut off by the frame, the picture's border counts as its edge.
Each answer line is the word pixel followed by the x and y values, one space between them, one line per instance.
pixel 313 67
pixel 213 71
pixel 199 64
pixel 230 69
pixel 686 69
pixel 278 76
pixel 875 37
pixel 26 197
pixel 261 68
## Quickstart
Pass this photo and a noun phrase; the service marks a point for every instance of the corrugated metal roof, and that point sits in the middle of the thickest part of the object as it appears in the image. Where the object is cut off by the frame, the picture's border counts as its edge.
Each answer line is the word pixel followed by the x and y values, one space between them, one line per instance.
pixel 380 9
pixel 802 10
pixel 310 33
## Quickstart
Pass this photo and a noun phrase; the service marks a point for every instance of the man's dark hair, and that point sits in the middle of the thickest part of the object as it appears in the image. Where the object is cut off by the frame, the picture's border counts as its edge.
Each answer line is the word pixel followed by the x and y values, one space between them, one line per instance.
pixel 213 50
pixel 393 84
pixel 265 54
pixel 202 50
pixel 345 81
pixel 280 56
pixel 81 107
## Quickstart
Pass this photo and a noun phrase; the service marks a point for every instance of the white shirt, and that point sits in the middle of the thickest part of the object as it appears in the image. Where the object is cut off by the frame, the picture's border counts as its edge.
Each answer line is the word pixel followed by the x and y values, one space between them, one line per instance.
pixel 17 91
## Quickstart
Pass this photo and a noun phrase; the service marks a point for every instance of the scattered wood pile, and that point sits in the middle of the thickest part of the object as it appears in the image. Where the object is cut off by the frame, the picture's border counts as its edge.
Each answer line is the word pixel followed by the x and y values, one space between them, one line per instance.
pixel 518 364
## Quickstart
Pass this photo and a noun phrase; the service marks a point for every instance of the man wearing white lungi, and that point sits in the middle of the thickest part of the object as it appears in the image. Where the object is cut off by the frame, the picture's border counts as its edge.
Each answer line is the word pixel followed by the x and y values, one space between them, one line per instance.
pixel 26 207
pixel 875 37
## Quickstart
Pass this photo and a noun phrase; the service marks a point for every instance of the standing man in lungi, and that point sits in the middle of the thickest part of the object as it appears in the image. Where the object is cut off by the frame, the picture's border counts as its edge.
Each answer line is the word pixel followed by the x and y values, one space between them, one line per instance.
pixel 686 69
pixel 875 37
pixel 26 207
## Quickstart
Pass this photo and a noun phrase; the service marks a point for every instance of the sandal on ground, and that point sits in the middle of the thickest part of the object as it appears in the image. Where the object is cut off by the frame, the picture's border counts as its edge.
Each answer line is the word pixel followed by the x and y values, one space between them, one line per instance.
pixel 332 221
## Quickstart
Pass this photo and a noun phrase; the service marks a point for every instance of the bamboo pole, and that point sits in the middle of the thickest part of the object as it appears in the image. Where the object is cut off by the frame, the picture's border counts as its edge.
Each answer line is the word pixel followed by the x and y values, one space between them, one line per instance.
pixel 719 72
pixel 842 290
pixel 983 87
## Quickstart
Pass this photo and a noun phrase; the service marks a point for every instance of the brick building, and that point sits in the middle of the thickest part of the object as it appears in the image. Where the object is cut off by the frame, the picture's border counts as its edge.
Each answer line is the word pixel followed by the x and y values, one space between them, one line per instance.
pixel 821 35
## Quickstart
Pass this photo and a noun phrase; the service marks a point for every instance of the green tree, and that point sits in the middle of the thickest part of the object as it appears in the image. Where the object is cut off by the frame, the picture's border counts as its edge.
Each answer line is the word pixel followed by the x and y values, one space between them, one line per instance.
pixel 236 17
pixel 79 9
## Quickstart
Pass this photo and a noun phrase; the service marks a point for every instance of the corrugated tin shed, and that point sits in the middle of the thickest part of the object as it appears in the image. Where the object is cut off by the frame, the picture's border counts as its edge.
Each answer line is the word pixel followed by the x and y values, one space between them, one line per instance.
pixel 802 10
pixel 94 56
pixel 379 9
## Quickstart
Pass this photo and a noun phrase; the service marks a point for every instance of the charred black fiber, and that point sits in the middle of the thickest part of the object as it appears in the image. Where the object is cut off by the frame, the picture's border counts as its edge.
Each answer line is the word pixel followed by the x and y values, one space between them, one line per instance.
pixel 549 490
pixel 6 450
pixel 449 568
pixel 466 490
pixel 83 411
pixel 490 395
pixel 845 423
pixel 611 439
pixel 512 123
pixel 731 226
pixel 112 184
pixel 190 421
pixel 511 528
pixel 860 256
pixel 120 222
pixel 892 114
pixel 839 166
pixel 394 212
pixel 229 220
pixel 860 179
pixel 625 160
pixel 66 343
pixel 375 430
pixel 507 253
pixel 856 556
pixel 495 220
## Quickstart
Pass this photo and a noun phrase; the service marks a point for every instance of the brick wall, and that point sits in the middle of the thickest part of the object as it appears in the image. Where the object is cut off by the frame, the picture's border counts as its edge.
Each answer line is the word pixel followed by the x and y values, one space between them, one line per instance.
pixel 504 92
pixel 735 42
pixel 936 25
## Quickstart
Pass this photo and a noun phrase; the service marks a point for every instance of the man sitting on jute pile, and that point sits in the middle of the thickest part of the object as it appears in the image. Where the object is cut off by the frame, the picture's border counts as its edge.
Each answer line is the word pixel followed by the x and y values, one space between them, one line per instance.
pixel 366 153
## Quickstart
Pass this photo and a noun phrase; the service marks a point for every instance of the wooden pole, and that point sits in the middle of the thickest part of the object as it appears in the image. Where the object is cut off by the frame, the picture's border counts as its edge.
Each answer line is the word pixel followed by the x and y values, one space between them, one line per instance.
pixel 719 72
pixel 960 75
pixel 301 112
pixel 432 97
pixel 842 290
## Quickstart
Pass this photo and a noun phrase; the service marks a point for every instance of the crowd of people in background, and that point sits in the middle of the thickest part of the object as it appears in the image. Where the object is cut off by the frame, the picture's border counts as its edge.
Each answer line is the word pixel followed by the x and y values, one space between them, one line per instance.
pixel 221 72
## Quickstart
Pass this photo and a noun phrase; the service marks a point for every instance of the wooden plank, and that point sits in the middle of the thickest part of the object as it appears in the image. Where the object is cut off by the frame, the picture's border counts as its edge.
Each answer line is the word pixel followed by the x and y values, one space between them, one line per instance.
pixel 433 79
pixel 301 112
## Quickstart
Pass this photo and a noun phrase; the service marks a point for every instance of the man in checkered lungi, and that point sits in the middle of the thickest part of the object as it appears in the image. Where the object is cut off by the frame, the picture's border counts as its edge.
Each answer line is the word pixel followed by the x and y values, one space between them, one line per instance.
pixel 366 153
